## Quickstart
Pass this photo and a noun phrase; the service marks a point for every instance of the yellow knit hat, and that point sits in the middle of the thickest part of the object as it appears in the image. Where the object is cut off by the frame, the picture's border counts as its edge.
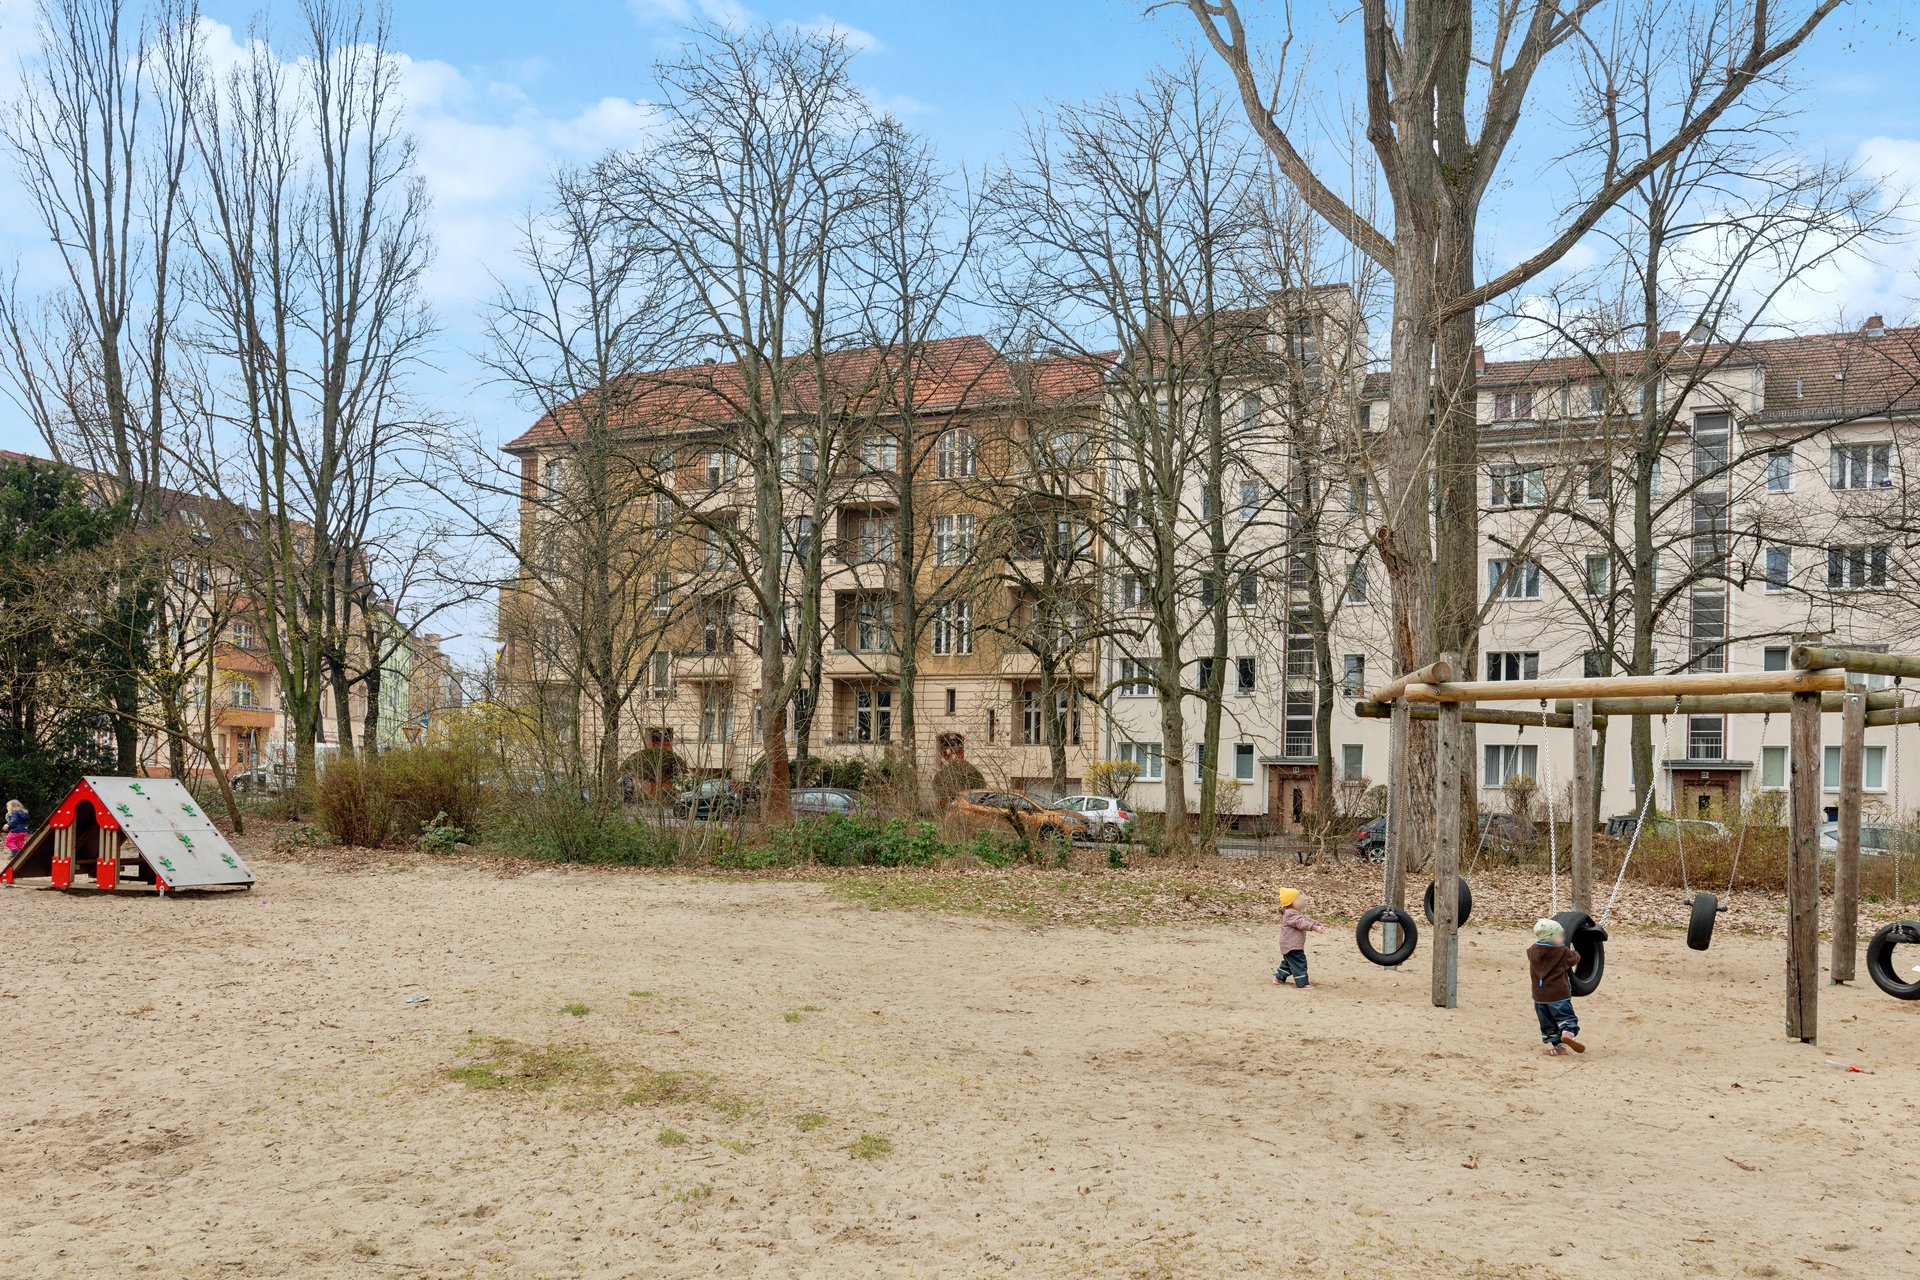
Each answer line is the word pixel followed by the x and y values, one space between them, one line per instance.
pixel 1287 897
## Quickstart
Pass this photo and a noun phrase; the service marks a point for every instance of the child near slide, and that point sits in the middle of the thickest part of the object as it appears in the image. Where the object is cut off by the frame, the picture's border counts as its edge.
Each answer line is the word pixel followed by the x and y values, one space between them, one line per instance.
pixel 17 826
pixel 1295 925
pixel 1552 962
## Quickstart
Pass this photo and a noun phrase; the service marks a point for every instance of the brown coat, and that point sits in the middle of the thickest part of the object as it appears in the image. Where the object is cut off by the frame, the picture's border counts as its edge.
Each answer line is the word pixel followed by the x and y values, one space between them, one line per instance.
pixel 1552 966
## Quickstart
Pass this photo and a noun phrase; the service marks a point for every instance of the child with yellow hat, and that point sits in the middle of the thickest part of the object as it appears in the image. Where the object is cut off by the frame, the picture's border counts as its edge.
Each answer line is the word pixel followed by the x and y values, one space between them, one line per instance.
pixel 1295 925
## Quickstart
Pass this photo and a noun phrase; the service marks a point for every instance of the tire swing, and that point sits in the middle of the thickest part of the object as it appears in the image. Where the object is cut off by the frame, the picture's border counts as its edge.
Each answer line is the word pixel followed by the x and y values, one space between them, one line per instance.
pixel 1465 900
pixel 1703 908
pixel 1880 963
pixel 1392 917
pixel 1587 936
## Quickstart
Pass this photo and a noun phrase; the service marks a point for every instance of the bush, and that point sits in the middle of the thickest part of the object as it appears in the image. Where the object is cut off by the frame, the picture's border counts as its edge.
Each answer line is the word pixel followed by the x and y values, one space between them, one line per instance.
pixel 843 840
pixel 1112 778
pixel 562 828
pixel 437 835
pixel 355 801
pixel 953 777
pixel 436 784
pixel 993 849
pixel 653 766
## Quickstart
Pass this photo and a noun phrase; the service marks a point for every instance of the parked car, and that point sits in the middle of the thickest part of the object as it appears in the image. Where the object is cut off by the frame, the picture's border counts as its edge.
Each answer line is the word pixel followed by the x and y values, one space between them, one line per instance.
pixel 1875 841
pixel 258 782
pixel 1370 841
pixel 1504 831
pixel 814 801
pixel 1032 817
pixel 712 798
pixel 1107 818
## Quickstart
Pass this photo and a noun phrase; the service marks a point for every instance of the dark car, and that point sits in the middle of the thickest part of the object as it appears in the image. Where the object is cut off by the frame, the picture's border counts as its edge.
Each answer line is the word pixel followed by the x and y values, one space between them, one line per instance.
pixel 813 801
pixel 1504 831
pixel 712 798
pixel 1370 841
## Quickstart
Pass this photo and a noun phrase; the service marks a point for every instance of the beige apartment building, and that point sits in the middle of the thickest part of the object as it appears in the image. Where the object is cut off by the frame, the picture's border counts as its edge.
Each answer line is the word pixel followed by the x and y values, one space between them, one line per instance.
pixel 990 503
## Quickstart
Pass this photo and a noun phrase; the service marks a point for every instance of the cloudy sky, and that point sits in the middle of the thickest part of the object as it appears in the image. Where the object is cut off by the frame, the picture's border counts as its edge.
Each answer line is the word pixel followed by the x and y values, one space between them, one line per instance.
pixel 502 91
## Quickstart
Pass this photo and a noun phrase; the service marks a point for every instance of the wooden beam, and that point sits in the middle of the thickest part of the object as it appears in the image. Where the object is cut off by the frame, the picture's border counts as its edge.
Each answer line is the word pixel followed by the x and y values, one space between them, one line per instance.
pixel 1446 856
pixel 1813 657
pixel 1398 780
pixel 1433 673
pixel 1803 871
pixel 1724 703
pixel 1846 859
pixel 1583 807
pixel 1898 715
pixel 1471 715
pixel 1627 686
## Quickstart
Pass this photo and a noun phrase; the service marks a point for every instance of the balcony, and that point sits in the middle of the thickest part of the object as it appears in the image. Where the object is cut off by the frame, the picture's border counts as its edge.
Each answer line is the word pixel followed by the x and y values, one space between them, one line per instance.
pixel 247 717
pixel 842 663
pixel 708 667
pixel 851 563
pixel 1023 664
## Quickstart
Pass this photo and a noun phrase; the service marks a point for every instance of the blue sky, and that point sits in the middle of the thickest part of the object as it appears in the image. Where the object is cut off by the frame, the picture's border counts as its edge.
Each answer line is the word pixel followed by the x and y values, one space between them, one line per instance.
pixel 501 91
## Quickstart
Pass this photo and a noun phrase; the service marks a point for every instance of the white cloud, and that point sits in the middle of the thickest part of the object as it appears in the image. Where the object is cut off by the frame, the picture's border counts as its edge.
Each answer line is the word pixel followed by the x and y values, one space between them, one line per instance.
pixel 856 39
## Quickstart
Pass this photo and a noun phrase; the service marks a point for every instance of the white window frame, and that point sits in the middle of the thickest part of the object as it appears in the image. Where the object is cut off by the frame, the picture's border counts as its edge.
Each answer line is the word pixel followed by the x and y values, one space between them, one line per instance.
pixel 1521 585
pixel 1513 486
pixel 1513 664
pixel 1779 470
pixel 1134 680
pixel 1771 584
pixel 1502 760
pixel 954 454
pixel 1243 753
pixel 954 539
pixel 953 628
pixel 1872 557
pixel 1149 756
pixel 1861 464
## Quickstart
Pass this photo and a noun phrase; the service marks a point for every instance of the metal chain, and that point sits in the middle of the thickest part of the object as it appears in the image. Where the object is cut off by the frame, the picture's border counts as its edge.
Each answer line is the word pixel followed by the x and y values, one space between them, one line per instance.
pixel 1553 839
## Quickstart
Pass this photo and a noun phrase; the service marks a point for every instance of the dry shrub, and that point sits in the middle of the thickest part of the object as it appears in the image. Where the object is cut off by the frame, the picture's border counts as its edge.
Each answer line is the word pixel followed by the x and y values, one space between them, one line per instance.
pixel 1762 864
pixel 355 803
pixel 425 783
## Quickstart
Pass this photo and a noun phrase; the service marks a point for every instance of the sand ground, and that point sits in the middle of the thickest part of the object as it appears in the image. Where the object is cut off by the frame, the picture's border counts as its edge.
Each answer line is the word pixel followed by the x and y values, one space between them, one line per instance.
pixel 237 1086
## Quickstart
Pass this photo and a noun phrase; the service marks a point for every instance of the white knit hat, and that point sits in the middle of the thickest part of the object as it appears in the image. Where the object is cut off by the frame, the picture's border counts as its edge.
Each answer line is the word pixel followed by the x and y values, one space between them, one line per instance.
pixel 1547 930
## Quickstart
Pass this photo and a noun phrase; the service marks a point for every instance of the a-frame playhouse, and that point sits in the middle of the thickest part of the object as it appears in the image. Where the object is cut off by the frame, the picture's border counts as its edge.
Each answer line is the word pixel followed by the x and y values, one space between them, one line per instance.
pixel 146 833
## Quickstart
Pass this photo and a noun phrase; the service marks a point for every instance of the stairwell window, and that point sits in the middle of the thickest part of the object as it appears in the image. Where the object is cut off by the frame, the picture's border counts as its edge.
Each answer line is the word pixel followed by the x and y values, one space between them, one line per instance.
pixel 1860 466
pixel 1513 579
pixel 953 539
pixel 1512 486
pixel 953 455
pixel 953 628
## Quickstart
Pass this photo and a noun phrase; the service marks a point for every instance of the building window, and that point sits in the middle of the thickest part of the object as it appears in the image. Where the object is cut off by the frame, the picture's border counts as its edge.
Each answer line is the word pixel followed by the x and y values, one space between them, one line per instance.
pixel 1514 486
pixel 1773 768
pixel 1352 757
pixel 1136 679
pixel 1247 590
pixel 953 539
pixel 1133 591
pixel 1599 576
pixel 1706 737
pixel 873 624
pixel 873 715
pixel 1779 568
pixel 1301 664
pixel 1860 567
pixel 953 455
pixel 880 453
pixel 1203 675
pixel 1358 501
pixel 1243 762
pixel 1147 756
pixel 799 457
pixel 1512 406
pixel 1506 760
pixel 799 540
pixel 662 513
pixel 951 701
pixel 720 466
pixel 1873 769
pixel 716 716
pixel 1296 724
pixel 1712 445
pixel 1204 590
pixel 1599 481
pixel 1779 471
pixel 1353 674
pixel 1245 673
pixel 1860 466
pixel 1592 664
pixel 1357 581
pixel 1249 500
pixel 660 675
pixel 242 692
pixel 1773 658
pixel 953 628
pixel 662 594
pixel 1513 664
pixel 1513 579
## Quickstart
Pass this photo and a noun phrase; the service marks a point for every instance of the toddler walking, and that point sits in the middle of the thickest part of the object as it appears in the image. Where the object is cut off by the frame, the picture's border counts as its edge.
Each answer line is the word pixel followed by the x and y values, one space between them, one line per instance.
pixel 1552 962
pixel 1295 925
pixel 18 826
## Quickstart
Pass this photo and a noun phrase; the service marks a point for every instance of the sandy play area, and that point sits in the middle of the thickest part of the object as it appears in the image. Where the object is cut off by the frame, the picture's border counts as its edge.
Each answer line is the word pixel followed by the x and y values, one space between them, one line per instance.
pixel 642 1075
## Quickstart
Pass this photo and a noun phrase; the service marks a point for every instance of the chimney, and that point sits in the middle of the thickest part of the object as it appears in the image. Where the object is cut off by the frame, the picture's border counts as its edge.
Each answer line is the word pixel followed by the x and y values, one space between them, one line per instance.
pixel 1669 337
pixel 1479 362
pixel 1875 327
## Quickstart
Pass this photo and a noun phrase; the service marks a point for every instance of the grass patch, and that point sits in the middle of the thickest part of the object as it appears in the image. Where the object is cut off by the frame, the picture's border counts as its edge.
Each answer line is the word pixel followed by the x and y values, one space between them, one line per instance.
pixel 698 1191
pixel 810 1121
pixel 498 1063
pixel 739 1146
pixel 671 1138
pixel 668 1088
pixel 1097 901
pixel 641 995
pixel 577 1009
pixel 869 1146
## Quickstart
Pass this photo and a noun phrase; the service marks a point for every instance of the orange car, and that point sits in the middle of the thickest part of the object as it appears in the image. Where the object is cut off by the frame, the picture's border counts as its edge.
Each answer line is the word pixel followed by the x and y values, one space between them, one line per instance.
pixel 1032 817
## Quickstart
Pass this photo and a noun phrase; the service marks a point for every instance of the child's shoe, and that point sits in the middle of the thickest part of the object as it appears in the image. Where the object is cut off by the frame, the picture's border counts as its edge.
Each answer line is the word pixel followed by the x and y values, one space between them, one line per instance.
pixel 1572 1044
pixel 1555 1051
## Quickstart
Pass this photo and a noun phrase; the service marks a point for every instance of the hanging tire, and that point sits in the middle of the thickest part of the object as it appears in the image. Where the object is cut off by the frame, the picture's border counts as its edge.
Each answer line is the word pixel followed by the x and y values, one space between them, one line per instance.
pixel 1466 902
pixel 1705 906
pixel 1880 965
pixel 1409 936
pixel 1589 940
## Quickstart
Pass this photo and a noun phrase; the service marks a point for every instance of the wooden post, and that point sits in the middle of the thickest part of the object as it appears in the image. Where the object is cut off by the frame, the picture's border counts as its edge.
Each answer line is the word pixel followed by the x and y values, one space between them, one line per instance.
pixel 1803 871
pixel 1846 859
pixel 1627 686
pixel 1583 807
pixel 1446 856
pixel 1397 783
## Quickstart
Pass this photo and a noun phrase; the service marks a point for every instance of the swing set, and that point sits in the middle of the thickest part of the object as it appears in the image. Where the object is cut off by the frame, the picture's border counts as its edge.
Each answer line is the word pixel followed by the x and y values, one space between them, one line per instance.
pixel 1821 680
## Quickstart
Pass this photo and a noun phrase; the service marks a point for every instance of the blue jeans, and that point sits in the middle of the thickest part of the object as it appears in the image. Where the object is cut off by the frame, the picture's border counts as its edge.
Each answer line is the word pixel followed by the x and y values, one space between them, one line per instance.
pixel 1557 1018
pixel 1293 965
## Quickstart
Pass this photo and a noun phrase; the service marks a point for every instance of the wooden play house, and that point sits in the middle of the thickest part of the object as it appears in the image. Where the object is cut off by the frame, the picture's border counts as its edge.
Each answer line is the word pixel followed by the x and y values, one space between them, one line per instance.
pixel 117 833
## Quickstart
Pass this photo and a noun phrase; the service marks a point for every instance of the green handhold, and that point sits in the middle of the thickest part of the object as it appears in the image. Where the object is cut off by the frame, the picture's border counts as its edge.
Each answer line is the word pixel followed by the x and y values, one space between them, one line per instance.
pixel 188 810
pixel 167 863
pixel 135 788
pixel 185 839
pixel 228 859
pixel 124 810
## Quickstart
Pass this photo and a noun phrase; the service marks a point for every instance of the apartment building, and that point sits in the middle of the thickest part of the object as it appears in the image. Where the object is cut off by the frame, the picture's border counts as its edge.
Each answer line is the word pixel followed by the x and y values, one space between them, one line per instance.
pixel 964 604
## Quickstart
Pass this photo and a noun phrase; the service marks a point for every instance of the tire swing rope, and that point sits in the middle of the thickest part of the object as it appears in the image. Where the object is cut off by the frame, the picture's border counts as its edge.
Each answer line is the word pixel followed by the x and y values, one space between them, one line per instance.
pixel 1388 914
pixel 1553 837
pixel 1703 908
pixel 1633 842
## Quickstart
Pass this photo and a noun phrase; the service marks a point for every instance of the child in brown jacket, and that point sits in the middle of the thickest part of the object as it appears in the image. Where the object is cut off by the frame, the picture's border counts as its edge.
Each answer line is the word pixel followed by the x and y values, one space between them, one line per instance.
pixel 1552 963
pixel 1295 925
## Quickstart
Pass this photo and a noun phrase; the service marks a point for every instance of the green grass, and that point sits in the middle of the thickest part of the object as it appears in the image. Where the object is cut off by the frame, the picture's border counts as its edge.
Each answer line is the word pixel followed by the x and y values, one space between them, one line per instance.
pixel 698 1191
pixel 671 1138
pixel 669 1088
pixel 791 1015
pixel 810 1121
pixel 641 995
pixel 869 1146
pixel 739 1146
pixel 576 1009
pixel 498 1063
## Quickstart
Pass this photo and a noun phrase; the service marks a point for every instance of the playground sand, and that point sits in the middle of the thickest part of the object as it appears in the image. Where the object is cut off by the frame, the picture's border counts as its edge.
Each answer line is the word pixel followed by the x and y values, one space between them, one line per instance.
pixel 237 1086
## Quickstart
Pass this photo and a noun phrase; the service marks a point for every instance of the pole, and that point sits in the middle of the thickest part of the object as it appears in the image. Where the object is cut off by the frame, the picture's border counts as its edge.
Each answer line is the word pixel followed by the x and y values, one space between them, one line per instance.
pixel 1708 704
pixel 1434 672
pixel 1583 807
pixel 1803 872
pixel 1813 657
pixel 1446 857
pixel 1397 783
pixel 1488 715
pixel 1627 686
pixel 1846 859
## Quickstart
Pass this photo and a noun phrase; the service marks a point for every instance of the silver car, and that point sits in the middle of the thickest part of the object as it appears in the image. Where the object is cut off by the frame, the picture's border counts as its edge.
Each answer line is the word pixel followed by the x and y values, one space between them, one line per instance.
pixel 1107 818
